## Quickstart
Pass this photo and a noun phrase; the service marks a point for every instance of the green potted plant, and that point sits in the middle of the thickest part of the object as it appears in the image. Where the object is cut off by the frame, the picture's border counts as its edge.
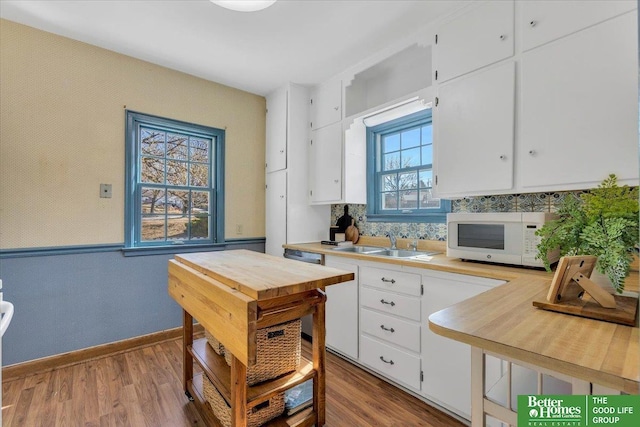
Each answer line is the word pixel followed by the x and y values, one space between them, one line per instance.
pixel 602 222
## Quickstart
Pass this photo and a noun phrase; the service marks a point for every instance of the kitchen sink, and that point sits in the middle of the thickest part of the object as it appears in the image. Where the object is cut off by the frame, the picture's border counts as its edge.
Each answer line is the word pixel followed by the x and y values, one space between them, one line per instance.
pixel 359 249
pixel 402 253
pixel 392 253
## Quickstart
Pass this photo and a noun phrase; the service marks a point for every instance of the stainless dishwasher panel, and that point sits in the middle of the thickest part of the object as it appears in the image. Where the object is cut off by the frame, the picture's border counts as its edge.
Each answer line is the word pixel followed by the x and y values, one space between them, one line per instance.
pixel 308 257
pixel 311 258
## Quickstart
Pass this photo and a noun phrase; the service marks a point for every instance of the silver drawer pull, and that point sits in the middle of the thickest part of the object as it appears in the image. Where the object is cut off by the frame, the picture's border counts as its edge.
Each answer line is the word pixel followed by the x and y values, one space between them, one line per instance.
pixel 388 280
pixel 390 303
pixel 387 329
pixel 390 362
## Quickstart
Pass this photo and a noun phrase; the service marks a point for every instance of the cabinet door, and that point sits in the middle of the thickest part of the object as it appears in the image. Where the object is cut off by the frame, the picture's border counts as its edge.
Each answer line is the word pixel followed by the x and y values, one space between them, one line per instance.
pixel 325 164
pixel 479 37
pixel 276 212
pixel 446 363
pixel 474 133
pixel 543 21
pixel 342 312
pixel 579 119
pixel 276 131
pixel 326 104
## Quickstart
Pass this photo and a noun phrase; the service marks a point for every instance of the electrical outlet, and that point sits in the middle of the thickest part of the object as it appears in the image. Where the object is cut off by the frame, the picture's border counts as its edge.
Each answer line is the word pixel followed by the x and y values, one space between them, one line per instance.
pixel 238 228
pixel 105 191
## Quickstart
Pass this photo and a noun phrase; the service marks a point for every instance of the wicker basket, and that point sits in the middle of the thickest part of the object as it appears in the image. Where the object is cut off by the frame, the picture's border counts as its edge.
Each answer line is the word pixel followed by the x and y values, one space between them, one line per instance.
pixel 278 352
pixel 214 343
pixel 256 416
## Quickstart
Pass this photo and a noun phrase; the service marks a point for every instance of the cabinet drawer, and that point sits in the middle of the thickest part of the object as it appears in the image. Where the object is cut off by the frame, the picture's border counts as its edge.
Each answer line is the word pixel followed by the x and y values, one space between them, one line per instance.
pixel 391 329
pixel 390 361
pixel 400 305
pixel 391 280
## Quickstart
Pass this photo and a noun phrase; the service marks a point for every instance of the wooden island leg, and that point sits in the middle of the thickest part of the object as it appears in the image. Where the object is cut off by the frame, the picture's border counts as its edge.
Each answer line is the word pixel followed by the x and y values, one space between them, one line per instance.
pixel 187 340
pixel 238 393
pixel 318 342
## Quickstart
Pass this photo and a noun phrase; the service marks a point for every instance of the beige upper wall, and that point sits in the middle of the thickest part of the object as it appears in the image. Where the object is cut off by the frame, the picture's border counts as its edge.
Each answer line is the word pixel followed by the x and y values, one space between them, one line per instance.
pixel 62 134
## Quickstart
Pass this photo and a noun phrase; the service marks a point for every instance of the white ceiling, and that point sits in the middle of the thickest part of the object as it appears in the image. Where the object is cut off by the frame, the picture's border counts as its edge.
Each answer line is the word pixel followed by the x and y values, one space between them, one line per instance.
pixel 302 41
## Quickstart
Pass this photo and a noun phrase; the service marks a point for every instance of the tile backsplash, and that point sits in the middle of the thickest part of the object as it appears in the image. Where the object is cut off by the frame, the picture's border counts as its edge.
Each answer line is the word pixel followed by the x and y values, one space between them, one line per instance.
pixel 533 202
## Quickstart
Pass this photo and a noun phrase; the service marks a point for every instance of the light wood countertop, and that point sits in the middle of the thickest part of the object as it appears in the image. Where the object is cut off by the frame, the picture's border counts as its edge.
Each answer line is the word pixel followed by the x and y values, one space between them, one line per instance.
pixel 261 276
pixel 504 321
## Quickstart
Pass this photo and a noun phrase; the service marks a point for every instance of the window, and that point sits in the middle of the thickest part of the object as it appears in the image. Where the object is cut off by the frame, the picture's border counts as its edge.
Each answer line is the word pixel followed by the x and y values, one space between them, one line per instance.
pixel 400 160
pixel 174 187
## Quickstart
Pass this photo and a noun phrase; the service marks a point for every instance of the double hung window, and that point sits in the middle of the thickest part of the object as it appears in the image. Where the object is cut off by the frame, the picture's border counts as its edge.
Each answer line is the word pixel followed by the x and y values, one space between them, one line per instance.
pixel 400 163
pixel 174 183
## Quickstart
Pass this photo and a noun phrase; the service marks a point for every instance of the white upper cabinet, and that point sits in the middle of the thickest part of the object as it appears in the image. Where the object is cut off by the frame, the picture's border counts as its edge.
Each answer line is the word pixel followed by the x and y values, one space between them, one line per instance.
pixel 325 164
pixel 289 216
pixel 474 133
pixel 276 212
pixel 543 21
pixel 276 137
pixel 326 104
pixel 479 37
pixel 579 108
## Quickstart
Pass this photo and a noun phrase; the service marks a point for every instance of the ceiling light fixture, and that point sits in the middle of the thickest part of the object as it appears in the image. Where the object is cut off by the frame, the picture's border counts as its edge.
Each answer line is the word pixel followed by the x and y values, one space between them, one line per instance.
pixel 244 5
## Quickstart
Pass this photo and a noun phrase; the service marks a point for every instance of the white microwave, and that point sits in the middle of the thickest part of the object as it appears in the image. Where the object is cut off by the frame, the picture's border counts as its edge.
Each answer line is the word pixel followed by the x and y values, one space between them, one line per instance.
pixel 503 237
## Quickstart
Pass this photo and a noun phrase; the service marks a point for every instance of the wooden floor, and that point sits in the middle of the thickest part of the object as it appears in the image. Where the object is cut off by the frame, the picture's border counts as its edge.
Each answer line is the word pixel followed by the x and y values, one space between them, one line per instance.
pixel 143 387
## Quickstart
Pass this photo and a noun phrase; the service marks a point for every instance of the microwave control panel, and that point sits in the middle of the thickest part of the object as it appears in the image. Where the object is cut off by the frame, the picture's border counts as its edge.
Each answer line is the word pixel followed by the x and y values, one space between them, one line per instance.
pixel 530 240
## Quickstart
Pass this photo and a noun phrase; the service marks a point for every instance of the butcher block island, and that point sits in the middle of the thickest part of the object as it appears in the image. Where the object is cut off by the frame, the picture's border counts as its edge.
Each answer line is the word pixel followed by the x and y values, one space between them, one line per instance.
pixel 234 295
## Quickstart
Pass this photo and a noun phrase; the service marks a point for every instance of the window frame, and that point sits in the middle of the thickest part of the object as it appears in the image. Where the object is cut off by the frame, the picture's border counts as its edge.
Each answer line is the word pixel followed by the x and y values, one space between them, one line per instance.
pixel 132 202
pixel 376 214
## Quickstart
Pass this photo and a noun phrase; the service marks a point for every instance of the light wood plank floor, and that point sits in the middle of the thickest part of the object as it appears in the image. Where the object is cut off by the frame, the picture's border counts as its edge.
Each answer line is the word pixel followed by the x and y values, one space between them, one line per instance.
pixel 143 387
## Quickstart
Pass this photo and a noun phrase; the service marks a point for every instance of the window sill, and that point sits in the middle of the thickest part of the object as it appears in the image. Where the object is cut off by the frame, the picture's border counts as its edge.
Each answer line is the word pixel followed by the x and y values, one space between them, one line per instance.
pixel 180 249
pixel 438 218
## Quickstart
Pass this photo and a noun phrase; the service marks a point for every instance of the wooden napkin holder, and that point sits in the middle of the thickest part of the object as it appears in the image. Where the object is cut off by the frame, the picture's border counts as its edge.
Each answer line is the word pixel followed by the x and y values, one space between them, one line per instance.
pixel 568 294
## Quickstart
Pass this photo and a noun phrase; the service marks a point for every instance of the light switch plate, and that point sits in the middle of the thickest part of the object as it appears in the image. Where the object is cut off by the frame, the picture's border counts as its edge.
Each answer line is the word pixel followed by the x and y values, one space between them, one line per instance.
pixel 105 191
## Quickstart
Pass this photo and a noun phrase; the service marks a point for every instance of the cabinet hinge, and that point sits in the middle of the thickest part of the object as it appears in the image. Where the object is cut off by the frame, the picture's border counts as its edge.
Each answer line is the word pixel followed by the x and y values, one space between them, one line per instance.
pixel 436 74
pixel 436 39
pixel 266 111
pixel 265 165
pixel 421 289
pixel 312 142
pixel 311 101
pixel 437 101
pixel 266 186
pixel 311 192
pixel 311 125
pixel 436 179
pixel 421 376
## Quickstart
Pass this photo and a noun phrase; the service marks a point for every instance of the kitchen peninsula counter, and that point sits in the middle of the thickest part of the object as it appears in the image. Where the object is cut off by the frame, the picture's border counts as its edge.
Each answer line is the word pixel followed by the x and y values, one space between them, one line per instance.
pixel 504 321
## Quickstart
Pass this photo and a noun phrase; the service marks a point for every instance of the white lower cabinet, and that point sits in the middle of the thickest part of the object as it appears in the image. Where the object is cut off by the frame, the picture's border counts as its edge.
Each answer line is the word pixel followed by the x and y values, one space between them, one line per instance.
pixel 341 311
pixel 447 363
pixel 390 323
pixel 381 322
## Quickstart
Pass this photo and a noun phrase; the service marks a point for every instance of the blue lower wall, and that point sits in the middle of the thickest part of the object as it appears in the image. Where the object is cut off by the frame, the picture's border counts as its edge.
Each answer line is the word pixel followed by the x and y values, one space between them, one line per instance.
pixel 69 302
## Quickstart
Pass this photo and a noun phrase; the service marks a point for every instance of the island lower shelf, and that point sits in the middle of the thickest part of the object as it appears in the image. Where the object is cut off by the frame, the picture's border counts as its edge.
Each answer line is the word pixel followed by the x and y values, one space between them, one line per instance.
pixel 219 373
pixel 304 418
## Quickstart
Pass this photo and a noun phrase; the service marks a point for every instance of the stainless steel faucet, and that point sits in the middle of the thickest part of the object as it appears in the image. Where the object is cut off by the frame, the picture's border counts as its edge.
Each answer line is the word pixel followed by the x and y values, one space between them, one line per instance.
pixel 392 239
pixel 413 245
